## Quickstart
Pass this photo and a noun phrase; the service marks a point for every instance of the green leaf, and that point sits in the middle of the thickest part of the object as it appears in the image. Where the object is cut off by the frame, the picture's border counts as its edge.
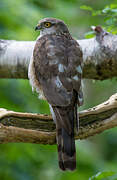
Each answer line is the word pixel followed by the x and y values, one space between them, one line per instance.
pixel 102 175
pixel 111 21
pixel 89 34
pixel 95 13
pixel 106 10
pixel 112 6
pixel 86 8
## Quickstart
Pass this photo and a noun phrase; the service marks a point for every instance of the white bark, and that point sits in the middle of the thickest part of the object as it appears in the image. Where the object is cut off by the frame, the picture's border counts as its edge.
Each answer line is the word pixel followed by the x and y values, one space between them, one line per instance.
pixel 99 56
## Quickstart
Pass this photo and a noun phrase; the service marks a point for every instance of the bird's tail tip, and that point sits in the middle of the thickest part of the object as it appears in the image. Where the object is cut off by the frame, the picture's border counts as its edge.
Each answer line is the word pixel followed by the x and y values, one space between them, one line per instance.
pixel 67 165
pixel 66 151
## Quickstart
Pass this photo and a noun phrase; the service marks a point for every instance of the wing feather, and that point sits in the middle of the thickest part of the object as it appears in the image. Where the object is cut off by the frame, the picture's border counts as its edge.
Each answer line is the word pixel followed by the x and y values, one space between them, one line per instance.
pixel 59 72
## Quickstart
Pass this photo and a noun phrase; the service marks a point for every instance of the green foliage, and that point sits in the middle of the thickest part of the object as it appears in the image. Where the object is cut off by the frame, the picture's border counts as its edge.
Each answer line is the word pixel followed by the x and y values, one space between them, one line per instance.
pixel 89 34
pixel 102 175
pixel 109 12
pixel 86 8
pixel 93 12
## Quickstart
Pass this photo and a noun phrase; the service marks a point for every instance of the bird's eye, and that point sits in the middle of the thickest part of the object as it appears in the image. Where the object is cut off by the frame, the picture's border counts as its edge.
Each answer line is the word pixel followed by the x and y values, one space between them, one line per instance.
pixel 47 24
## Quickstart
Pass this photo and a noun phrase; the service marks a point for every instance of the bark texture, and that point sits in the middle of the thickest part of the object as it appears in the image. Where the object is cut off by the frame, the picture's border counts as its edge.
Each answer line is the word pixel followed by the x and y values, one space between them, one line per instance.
pixel 99 56
pixel 37 128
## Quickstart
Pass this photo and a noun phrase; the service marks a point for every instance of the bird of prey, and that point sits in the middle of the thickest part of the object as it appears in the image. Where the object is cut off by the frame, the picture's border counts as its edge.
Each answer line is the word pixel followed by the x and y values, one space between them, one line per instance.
pixel 56 70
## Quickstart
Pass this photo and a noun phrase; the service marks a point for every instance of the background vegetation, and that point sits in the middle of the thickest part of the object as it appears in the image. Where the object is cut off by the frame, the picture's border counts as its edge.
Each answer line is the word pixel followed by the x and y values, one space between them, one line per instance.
pixel 36 162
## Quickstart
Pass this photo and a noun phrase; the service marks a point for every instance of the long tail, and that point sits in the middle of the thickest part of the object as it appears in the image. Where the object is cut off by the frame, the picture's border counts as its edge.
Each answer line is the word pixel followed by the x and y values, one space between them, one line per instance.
pixel 65 117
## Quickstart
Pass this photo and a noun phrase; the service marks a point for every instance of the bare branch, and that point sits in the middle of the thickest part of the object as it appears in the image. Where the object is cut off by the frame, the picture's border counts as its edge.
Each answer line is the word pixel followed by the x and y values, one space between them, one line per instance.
pixel 99 54
pixel 37 128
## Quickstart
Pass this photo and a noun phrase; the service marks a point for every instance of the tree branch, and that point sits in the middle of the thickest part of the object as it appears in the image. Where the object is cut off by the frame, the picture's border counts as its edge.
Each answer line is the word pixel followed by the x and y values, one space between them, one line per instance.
pixel 37 128
pixel 99 56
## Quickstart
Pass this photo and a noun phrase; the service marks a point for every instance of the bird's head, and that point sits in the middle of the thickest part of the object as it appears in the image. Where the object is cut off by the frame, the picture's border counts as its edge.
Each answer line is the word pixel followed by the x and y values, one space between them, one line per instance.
pixel 51 26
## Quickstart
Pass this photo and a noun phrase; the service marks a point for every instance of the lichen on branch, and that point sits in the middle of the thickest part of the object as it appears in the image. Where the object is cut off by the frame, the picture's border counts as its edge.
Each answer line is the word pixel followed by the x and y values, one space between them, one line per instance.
pixel 37 128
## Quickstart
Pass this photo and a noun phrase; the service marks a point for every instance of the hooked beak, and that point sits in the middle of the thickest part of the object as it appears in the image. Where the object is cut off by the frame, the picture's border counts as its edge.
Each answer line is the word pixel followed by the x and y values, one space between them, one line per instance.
pixel 38 27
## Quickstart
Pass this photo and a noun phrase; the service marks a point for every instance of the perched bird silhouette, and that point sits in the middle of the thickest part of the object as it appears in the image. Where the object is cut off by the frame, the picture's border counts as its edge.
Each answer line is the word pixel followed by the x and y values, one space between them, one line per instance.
pixel 55 70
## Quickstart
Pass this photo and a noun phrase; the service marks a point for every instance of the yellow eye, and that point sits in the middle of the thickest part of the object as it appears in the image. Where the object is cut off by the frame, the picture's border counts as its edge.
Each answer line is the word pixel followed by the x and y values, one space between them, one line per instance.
pixel 47 24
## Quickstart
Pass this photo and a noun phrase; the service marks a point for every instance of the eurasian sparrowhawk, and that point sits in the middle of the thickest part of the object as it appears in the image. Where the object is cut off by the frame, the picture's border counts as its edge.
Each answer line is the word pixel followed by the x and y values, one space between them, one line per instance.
pixel 56 70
